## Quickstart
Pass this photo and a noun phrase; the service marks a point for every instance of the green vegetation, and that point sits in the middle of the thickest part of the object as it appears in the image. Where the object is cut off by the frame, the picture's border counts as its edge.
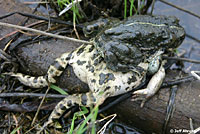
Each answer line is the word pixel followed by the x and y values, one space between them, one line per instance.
pixel 61 91
pixel 62 4
pixel 91 117
pixel 132 7
pixel 83 126
pixel 125 8
pixel 15 130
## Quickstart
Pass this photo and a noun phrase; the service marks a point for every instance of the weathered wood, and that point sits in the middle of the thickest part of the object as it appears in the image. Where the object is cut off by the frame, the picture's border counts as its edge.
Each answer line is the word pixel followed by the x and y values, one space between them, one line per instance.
pixel 151 117
pixel 37 57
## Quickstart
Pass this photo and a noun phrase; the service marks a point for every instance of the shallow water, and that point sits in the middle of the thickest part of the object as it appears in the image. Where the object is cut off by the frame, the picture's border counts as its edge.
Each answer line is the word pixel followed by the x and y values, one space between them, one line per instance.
pixel 189 22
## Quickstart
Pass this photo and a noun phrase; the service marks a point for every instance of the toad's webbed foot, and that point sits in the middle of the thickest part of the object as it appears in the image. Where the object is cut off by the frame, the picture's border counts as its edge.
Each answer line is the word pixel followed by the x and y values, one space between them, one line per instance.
pixel 152 87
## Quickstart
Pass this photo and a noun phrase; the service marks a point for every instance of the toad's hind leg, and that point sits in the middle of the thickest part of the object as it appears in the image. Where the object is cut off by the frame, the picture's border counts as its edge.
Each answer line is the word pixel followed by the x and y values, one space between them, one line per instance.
pixel 55 69
pixel 86 99
pixel 58 66
pixel 34 82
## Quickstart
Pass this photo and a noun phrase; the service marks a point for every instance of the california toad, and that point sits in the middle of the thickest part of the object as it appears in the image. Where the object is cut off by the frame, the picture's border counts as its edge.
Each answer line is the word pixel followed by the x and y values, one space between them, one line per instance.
pixel 135 45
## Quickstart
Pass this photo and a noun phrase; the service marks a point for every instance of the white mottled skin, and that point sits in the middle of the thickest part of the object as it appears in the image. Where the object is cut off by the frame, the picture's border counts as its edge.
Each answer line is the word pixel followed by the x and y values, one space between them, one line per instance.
pixel 86 76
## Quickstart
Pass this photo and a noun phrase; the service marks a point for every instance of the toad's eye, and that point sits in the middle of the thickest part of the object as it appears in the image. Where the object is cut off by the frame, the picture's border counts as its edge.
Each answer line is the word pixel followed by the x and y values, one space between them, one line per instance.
pixel 89 29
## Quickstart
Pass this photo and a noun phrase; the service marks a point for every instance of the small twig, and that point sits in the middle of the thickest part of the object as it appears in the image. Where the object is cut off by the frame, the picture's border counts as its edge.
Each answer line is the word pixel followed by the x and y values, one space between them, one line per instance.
pixel 153 4
pixel 29 131
pixel 17 33
pixel 139 6
pixel 12 33
pixel 36 114
pixel 178 81
pixel 7 45
pixel 36 2
pixel 192 131
pixel 105 118
pixel 44 33
pixel 193 38
pixel 191 124
pixel 31 95
pixel 27 106
pixel 4 55
pixel 182 59
pixel 16 122
pixel 195 131
pixel 74 22
pixel 170 108
pixel 102 130
pixel 194 73
pixel 53 20
pixel 191 13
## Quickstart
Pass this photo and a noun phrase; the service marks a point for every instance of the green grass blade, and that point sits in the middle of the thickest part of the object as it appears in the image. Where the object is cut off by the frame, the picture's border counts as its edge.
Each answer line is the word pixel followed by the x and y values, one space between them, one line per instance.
pixel 93 120
pixel 131 8
pixel 61 91
pixel 91 116
pixel 76 115
pixel 125 8
pixel 15 130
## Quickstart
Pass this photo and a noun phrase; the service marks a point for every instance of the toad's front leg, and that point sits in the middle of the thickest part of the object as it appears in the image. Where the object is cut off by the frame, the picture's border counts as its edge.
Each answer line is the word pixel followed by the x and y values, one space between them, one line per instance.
pixel 152 87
